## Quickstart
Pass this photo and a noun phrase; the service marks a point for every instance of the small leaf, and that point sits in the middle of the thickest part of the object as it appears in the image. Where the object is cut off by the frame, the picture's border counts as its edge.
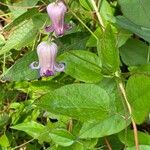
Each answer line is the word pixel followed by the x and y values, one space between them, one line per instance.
pixel 134 52
pixel 62 137
pixel 138 94
pixel 32 128
pixel 80 101
pixel 82 65
pixel 4 142
pixel 128 138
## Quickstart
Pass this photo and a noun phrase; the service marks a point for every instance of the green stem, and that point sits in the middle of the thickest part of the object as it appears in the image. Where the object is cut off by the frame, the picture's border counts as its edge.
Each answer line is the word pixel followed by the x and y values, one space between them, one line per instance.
pixel 98 14
pixel 84 25
pixel 123 92
pixel 4 63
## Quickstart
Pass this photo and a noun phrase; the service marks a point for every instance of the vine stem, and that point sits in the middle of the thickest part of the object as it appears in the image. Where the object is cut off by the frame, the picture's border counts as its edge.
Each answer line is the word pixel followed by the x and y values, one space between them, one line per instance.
pixel 98 14
pixel 108 144
pixel 122 89
pixel 23 144
pixel 84 25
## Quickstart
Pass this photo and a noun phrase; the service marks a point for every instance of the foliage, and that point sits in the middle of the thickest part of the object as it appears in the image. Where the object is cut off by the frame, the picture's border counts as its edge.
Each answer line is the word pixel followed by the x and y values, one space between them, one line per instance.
pixel 104 87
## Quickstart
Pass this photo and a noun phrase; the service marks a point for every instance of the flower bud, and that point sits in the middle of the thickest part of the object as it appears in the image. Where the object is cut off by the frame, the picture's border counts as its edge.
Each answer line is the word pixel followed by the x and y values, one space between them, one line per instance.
pixel 47 53
pixel 56 12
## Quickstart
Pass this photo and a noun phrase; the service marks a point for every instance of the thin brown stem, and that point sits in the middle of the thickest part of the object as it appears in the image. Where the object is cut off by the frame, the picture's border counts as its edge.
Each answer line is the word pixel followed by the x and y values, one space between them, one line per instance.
pixel 98 14
pixel 22 144
pixel 70 126
pixel 122 89
pixel 108 144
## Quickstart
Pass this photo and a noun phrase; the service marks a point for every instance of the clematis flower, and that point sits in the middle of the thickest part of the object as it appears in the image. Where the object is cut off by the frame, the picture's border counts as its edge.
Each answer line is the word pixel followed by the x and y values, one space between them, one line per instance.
pixel 56 12
pixel 47 65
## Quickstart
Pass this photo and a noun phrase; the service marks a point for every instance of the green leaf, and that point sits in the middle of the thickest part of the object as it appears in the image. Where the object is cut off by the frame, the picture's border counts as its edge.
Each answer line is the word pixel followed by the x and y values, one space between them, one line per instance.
pixel 141 147
pixel 21 69
pixel 4 142
pixel 75 146
pixel 42 133
pixel 138 94
pixel 27 15
pixel 134 52
pixel 62 137
pixel 32 128
pixel 89 130
pixel 21 37
pixel 130 10
pixel 2 40
pixel 144 69
pixel 86 4
pixel 4 118
pixel 92 42
pixel 117 118
pixel 39 20
pixel 82 65
pixel 20 7
pixel 73 41
pixel 122 36
pixel 106 11
pixel 138 30
pixel 80 101
pixel 108 51
pixel 128 138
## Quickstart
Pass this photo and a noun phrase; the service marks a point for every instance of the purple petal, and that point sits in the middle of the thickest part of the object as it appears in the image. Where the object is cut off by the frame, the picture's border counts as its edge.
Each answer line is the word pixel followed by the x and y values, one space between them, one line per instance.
pixel 49 28
pixel 49 73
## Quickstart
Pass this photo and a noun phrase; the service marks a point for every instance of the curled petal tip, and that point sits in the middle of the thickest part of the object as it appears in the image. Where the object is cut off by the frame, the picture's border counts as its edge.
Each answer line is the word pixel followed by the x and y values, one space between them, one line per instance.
pixel 59 67
pixel 34 65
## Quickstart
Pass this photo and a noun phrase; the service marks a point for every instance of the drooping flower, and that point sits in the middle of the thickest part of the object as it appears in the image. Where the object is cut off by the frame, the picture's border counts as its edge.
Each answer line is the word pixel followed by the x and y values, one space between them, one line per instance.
pixel 47 65
pixel 56 12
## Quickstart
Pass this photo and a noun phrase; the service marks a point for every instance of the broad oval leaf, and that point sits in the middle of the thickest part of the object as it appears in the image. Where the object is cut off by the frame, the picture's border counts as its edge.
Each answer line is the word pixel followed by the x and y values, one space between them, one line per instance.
pixel 79 101
pixel 130 9
pixel 82 65
pixel 138 94
pixel 138 30
pixel 134 52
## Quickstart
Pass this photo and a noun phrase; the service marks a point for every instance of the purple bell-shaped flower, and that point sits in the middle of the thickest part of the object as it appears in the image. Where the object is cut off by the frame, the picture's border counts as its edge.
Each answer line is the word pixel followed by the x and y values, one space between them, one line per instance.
pixel 47 65
pixel 56 12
